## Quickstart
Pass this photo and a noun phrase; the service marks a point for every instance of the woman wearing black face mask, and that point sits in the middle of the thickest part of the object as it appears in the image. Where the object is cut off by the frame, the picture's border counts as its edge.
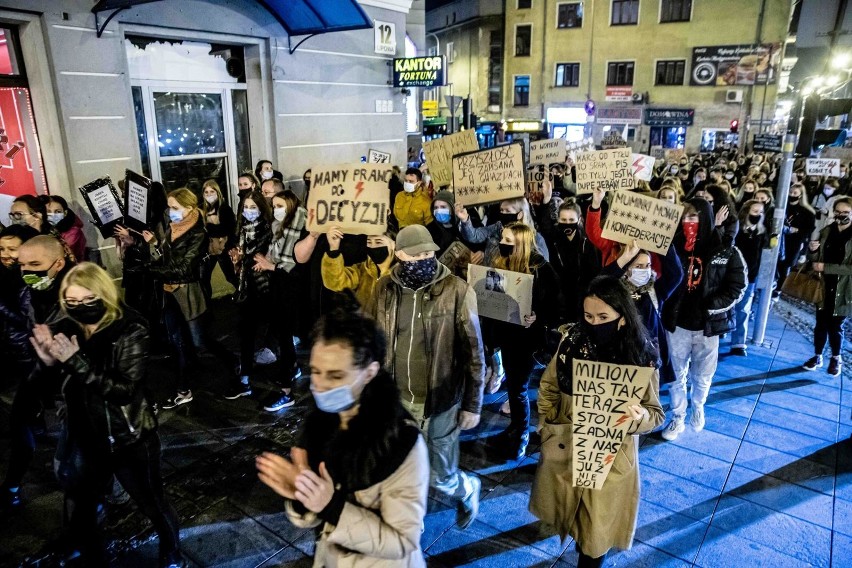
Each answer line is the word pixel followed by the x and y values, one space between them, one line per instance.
pixel 832 254
pixel 518 342
pixel 605 518
pixel 576 260
pixel 99 348
pixel 360 278
pixel 751 240
pixel 799 223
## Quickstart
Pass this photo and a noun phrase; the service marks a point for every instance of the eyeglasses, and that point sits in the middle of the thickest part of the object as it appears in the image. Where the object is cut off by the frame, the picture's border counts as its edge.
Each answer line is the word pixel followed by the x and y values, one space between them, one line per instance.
pixel 90 301
pixel 18 216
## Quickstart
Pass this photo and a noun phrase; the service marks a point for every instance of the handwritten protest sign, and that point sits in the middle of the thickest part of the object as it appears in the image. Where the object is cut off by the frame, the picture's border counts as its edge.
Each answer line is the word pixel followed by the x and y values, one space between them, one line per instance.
pixel 489 175
pixel 440 152
pixel 353 197
pixel 501 294
pixel 651 222
pixel 602 393
pixel 553 151
pixel 104 204
pixel 456 258
pixel 842 154
pixel 604 169
pixel 674 154
pixel 136 191
pixel 376 157
pixel 643 166
pixel 580 146
pixel 822 167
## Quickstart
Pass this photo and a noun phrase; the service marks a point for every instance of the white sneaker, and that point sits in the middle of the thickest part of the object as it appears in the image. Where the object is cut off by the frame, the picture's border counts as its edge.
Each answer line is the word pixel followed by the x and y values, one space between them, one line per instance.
pixel 673 430
pixel 696 420
pixel 264 356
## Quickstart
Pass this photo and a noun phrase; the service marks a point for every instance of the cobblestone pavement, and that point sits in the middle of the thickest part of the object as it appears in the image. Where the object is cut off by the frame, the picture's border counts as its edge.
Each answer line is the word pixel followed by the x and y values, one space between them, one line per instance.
pixel 768 483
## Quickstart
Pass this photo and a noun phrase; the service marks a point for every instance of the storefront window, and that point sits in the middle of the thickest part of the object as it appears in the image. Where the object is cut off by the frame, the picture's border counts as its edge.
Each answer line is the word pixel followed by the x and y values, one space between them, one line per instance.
pixel 668 136
pixel 239 101
pixel 189 123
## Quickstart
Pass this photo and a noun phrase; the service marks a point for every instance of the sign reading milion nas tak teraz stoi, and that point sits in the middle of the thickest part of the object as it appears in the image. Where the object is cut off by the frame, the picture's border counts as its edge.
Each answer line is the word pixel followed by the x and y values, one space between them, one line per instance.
pixel 420 71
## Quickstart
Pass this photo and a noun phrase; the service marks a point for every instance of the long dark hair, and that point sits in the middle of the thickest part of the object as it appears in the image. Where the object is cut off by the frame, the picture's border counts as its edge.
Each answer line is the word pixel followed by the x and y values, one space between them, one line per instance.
pixel 262 205
pixel 370 448
pixel 632 345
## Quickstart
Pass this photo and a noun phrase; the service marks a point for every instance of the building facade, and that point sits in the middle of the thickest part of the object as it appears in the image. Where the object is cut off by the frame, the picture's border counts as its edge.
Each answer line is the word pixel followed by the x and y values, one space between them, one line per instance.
pixel 675 73
pixel 188 90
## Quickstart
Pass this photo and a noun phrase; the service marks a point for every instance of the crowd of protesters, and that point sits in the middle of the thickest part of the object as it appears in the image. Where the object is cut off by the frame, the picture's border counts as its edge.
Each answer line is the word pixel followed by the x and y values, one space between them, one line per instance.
pixel 400 359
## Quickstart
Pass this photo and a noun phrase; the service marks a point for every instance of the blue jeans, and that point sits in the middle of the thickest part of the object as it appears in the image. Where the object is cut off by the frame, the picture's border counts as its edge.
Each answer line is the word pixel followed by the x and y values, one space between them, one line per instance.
pixel 741 313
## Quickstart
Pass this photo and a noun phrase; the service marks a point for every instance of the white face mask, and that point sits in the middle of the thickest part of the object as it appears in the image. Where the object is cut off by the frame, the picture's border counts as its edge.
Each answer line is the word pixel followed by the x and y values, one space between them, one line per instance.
pixel 675 169
pixel 639 276
pixel 280 213
pixel 408 186
pixel 729 175
pixel 266 175
pixel 828 191
pixel 211 199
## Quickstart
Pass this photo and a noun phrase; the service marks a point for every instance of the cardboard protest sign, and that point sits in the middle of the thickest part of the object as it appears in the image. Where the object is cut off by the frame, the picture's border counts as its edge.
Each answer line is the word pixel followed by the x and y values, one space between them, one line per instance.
pixel 440 152
pixel 493 174
pixel 136 190
pixel 604 169
pixel 501 294
pixel 552 151
pixel 104 204
pixel 674 154
pixel 354 197
pixel 376 157
pixel 536 176
pixel 822 167
pixel 580 146
pixel 456 258
pixel 658 152
pixel 842 154
pixel 643 166
pixel 602 393
pixel 651 222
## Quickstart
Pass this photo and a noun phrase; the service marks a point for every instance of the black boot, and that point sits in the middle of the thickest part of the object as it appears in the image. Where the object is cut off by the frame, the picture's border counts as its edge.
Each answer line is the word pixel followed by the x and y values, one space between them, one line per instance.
pixel 589 562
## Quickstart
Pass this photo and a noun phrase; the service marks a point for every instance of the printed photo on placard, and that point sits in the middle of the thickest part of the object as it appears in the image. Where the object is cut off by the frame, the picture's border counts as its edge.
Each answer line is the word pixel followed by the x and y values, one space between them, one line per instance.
pixel 501 294
pixel 104 203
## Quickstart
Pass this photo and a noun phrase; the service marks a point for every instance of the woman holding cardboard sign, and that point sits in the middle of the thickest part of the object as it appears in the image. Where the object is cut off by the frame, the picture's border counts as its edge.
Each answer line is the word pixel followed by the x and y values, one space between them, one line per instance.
pixel 518 343
pixel 597 519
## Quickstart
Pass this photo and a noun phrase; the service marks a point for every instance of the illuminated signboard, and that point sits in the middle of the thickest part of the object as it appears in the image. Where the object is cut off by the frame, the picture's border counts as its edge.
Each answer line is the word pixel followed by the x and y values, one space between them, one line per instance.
pixel 420 72
pixel 524 126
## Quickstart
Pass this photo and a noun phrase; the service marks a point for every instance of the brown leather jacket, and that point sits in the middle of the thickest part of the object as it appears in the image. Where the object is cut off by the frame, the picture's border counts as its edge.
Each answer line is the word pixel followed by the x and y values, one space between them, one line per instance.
pixel 453 338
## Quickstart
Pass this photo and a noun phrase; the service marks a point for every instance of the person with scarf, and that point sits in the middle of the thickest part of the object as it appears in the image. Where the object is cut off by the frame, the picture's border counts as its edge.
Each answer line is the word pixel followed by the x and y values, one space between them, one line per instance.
pixel 518 342
pixel 288 280
pixel 699 311
pixel 650 293
pixel 176 265
pixel 359 469
pixel 67 224
pixel 597 519
pixel 254 236
pixel 751 241
pixel 436 357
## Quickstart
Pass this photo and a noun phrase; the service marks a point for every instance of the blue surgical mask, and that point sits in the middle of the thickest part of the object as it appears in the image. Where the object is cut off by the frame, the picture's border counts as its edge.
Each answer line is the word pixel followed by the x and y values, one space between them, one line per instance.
pixel 251 215
pixel 442 215
pixel 55 218
pixel 175 216
pixel 334 400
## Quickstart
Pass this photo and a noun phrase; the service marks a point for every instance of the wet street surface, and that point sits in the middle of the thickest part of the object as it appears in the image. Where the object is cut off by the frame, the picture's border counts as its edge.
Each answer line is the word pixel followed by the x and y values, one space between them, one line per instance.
pixel 768 483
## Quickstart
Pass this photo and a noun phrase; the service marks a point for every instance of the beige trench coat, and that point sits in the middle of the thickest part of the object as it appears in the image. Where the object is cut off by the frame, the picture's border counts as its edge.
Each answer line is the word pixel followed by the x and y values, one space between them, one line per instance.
pixel 597 519
pixel 383 529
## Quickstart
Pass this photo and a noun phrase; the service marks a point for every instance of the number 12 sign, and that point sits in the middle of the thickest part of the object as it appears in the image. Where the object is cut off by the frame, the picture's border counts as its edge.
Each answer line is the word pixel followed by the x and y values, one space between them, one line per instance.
pixel 385 34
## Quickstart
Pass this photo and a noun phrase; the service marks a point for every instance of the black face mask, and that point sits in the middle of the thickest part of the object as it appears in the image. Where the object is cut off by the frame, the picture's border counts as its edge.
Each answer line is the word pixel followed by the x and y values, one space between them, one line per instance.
pixel 506 250
pixel 794 200
pixel 87 314
pixel 378 254
pixel 507 218
pixel 754 219
pixel 568 229
pixel 843 219
pixel 603 333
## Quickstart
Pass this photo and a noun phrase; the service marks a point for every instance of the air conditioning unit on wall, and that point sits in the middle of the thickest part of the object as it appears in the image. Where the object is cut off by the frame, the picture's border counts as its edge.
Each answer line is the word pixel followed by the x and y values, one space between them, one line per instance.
pixel 734 96
pixel 639 98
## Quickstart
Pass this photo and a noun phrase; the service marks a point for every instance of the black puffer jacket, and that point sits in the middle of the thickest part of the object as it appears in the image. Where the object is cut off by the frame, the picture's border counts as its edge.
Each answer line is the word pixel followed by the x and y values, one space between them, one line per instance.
pixel 180 260
pixel 723 276
pixel 104 383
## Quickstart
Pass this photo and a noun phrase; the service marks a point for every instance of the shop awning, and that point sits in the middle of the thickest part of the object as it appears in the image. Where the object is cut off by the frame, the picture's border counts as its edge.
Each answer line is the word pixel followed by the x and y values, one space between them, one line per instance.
pixel 298 17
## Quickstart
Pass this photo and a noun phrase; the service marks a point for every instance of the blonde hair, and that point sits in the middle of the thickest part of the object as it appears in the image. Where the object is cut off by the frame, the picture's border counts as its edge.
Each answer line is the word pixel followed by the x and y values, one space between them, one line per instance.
pixel 92 277
pixel 523 206
pixel 212 184
pixel 184 197
pixel 519 260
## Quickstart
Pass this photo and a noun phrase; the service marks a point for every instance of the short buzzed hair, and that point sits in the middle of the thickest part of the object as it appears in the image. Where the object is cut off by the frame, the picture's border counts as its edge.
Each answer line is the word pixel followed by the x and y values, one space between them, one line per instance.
pixel 46 243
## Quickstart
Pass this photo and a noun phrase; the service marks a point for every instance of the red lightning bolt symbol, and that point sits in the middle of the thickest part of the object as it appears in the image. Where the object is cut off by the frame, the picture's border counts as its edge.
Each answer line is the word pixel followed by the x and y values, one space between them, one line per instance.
pixel 358 189
pixel 637 166
pixel 621 420
pixel 311 217
pixel 609 458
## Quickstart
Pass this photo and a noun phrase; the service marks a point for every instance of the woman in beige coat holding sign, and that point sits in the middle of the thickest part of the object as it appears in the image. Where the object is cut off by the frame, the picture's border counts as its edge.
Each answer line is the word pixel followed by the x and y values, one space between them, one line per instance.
pixel 597 519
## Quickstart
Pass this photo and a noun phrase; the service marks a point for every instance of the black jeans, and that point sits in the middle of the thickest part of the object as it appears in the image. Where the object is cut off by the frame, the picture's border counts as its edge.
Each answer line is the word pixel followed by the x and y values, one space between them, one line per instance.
pixel 209 265
pixel 830 327
pixel 517 348
pixel 25 408
pixel 137 467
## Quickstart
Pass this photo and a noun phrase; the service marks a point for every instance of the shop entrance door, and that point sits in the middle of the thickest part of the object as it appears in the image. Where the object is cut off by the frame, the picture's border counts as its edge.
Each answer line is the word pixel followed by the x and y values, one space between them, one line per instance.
pixel 190 134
